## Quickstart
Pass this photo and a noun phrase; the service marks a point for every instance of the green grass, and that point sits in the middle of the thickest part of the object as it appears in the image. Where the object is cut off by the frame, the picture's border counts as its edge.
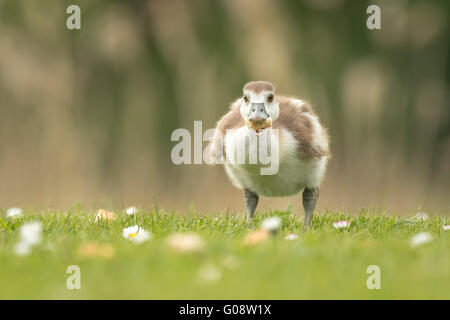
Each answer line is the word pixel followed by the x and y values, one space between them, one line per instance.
pixel 323 263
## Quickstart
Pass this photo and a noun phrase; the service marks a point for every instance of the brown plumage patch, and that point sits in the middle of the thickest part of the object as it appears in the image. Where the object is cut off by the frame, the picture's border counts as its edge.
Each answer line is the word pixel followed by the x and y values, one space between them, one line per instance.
pixel 259 86
pixel 232 120
pixel 296 120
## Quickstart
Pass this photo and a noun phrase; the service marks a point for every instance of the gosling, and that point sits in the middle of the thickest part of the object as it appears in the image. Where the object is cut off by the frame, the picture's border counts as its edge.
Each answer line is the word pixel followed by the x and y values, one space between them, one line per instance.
pixel 292 128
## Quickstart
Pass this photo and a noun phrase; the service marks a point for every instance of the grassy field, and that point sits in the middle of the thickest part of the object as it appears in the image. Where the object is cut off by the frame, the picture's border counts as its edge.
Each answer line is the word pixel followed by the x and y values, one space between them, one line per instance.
pixel 324 263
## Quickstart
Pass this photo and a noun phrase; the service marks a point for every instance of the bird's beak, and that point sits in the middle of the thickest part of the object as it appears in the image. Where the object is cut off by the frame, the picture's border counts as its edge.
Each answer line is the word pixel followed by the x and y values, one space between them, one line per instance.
pixel 258 118
pixel 258 113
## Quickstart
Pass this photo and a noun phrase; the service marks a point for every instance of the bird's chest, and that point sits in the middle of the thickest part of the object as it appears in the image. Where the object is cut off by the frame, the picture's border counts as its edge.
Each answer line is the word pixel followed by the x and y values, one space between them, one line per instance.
pixel 267 164
pixel 252 152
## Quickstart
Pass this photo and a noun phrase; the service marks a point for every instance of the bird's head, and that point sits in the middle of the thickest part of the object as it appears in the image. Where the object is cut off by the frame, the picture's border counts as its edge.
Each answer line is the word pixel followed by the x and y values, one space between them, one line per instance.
pixel 259 106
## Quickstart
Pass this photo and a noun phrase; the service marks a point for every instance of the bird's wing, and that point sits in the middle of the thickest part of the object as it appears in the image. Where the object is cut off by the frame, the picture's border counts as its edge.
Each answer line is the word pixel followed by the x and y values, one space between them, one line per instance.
pixel 299 119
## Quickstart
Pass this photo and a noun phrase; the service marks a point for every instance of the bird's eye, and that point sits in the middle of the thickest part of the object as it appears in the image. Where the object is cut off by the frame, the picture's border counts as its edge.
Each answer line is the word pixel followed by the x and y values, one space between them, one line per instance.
pixel 245 99
pixel 270 98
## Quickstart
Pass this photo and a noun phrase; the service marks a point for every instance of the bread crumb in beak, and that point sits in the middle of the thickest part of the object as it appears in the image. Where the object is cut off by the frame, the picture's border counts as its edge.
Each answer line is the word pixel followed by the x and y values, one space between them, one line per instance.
pixel 260 125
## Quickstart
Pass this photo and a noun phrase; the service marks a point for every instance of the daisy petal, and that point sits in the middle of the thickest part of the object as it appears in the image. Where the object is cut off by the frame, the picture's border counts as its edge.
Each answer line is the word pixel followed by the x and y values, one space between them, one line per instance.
pixel 271 224
pixel 14 213
pixel 130 211
pixel 136 234
pixel 341 224
pixel 420 239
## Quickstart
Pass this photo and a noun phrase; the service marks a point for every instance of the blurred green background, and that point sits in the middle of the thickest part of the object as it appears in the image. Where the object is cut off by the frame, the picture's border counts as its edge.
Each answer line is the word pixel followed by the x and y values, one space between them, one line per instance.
pixel 86 115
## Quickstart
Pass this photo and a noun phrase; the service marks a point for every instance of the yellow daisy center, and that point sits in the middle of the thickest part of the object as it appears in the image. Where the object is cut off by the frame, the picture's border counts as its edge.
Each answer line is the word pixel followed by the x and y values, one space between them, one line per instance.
pixel 132 235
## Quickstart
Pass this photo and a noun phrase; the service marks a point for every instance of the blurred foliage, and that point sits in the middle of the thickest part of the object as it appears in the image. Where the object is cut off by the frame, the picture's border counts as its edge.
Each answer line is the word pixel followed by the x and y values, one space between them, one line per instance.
pixel 86 115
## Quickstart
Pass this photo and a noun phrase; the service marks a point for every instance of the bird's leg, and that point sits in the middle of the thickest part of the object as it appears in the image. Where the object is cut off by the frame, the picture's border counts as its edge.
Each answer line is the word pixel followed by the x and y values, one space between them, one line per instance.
pixel 310 196
pixel 251 201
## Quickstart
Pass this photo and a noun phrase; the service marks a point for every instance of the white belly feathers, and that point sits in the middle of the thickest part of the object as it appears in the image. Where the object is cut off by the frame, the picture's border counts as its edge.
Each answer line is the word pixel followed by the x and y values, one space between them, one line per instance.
pixel 280 173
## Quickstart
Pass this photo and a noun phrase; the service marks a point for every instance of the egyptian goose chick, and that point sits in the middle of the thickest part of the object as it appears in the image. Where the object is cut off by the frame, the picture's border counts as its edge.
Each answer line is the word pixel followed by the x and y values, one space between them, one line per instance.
pixel 294 135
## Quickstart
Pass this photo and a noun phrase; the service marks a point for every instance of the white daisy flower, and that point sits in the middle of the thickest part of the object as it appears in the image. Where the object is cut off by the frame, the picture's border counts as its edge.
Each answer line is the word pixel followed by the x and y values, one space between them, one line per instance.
pixel 272 224
pixel 30 236
pixel 136 234
pixel 130 211
pixel 14 213
pixel 31 233
pixel 341 224
pixel 446 228
pixel 291 236
pixel 420 238
pixel 421 215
